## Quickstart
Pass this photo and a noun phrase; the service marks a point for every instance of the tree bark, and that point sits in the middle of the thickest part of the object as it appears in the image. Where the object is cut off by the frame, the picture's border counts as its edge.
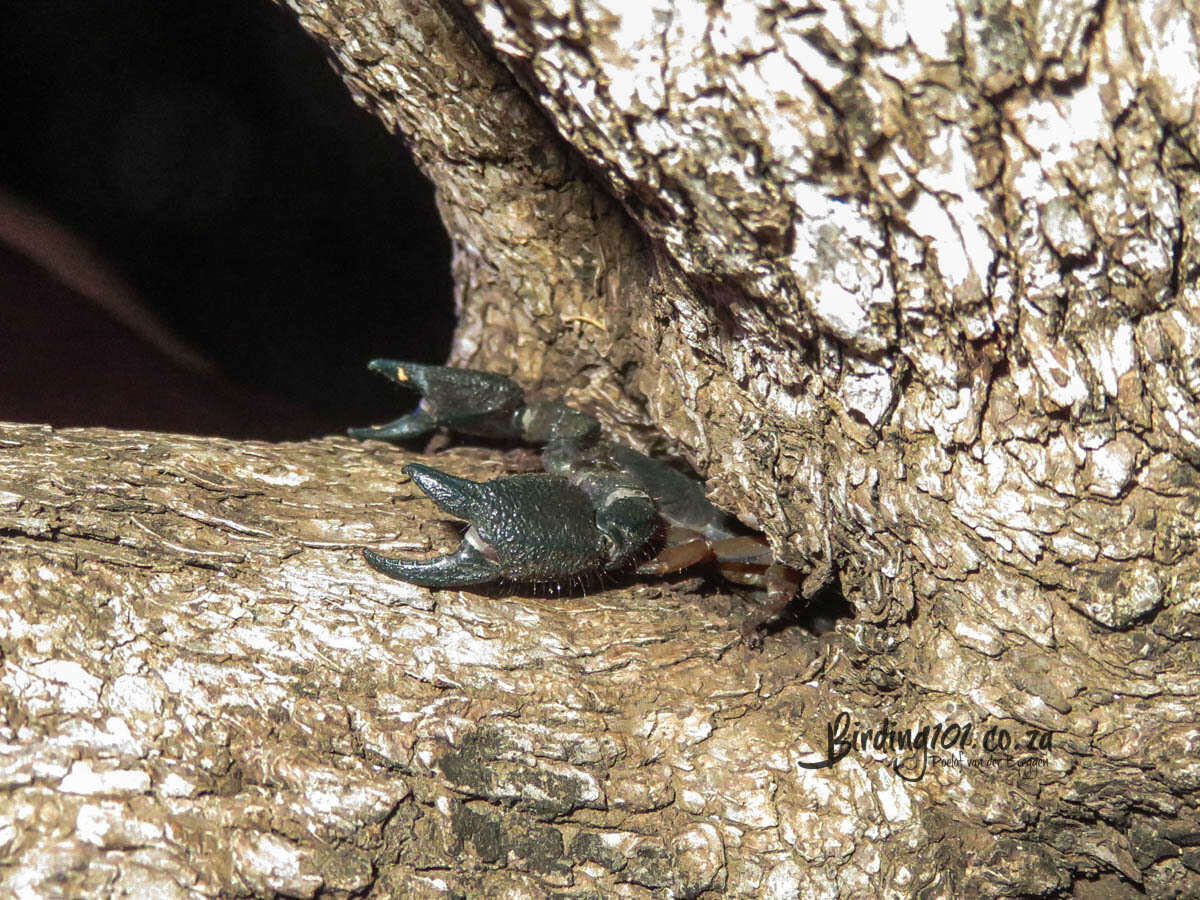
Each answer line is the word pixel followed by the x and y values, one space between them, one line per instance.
pixel 914 289
pixel 206 692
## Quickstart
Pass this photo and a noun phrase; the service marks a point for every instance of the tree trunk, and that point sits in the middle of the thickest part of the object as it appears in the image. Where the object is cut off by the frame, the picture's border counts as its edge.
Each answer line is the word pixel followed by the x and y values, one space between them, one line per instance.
pixel 913 289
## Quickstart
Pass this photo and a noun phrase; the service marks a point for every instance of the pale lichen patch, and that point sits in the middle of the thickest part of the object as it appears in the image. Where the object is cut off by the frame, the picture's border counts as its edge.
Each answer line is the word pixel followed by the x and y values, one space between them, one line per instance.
pixel 1165 36
pixel 82 778
pixel 57 683
pixel 930 26
pixel 954 221
pixel 109 824
pixel 271 864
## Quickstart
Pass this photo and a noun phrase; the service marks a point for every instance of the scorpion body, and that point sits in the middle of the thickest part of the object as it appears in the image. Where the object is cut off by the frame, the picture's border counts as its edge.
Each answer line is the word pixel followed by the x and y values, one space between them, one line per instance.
pixel 598 506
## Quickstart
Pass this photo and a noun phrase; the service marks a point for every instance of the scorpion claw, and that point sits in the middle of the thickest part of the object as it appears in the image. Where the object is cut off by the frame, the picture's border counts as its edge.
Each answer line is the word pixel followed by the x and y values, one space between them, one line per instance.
pixel 460 497
pixel 533 528
pixel 465 400
pixel 402 429
pixel 463 567
pixel 472 563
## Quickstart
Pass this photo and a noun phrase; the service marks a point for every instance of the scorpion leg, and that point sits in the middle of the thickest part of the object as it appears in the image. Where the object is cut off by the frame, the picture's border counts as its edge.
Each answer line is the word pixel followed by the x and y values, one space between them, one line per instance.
pixel 741 559
pixel 781 583
pixel 744 559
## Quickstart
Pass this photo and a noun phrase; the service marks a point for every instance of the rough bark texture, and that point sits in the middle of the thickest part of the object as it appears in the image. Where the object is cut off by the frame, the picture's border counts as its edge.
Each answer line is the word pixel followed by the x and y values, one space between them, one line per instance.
pixel 914 287
pixel 206 692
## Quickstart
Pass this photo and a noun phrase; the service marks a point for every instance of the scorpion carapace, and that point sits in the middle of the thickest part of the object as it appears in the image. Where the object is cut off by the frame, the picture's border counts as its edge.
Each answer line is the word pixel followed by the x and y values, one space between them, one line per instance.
pixel 598 507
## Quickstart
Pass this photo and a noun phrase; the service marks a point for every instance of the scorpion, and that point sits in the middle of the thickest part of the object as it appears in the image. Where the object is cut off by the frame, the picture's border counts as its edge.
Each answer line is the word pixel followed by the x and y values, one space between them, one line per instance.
pixel 597 508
